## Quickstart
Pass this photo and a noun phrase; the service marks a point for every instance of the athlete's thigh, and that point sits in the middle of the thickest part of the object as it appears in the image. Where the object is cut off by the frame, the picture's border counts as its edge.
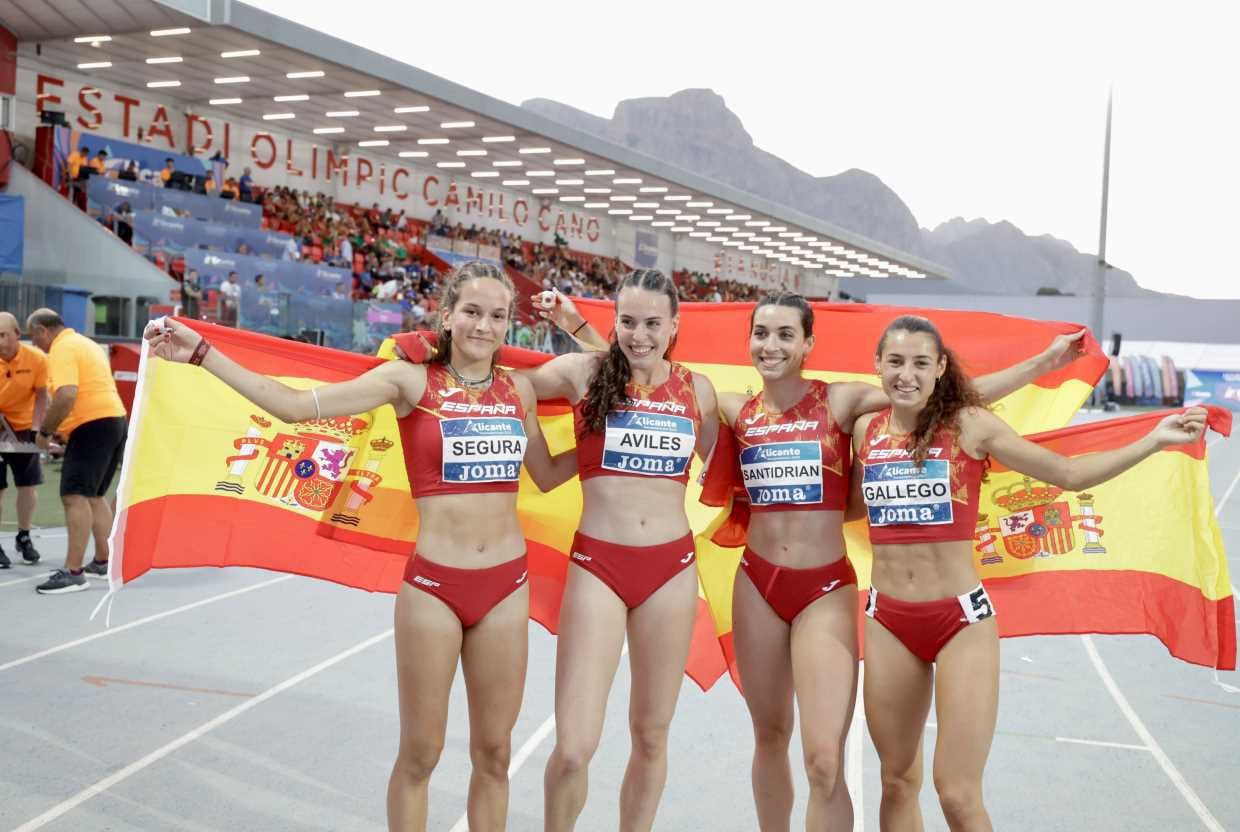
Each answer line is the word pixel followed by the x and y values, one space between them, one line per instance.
pixel 824 666
pixel 428 644
pixel 966 701
pixel 493 659
pixel 897 697
pixel 592 619
pixel 660 630
pixel 763 657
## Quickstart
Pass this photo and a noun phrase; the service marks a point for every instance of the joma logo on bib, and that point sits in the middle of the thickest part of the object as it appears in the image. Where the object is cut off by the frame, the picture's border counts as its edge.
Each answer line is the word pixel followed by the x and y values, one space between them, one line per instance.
pixel 783 472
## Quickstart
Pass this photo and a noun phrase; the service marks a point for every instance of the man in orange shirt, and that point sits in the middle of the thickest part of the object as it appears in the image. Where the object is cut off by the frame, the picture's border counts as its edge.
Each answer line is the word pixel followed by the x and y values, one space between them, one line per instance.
pixel 23 401
pixel 87 411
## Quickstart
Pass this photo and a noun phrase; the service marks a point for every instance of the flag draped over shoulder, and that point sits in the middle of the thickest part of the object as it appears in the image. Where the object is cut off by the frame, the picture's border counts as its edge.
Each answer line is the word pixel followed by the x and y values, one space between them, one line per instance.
pixel 209 480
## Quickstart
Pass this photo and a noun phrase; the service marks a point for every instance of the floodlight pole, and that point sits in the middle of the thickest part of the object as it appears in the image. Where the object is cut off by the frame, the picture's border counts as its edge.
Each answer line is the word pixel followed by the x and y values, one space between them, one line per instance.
pixel 1096 318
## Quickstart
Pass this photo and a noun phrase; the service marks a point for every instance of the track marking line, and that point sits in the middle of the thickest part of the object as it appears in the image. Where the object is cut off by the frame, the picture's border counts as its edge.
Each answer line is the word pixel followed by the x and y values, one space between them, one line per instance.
pixel 1126 745
pixel 854 775
pixel 27 578
pixel 1173 773
pixel 523 753
pixel 1200 701
pixel 185 739
pixel 1218 508
pixel 156 617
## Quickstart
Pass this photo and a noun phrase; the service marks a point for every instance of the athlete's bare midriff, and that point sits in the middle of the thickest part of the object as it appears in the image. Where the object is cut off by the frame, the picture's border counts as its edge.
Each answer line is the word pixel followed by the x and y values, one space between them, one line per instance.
pixel 469 531
pixel 798 539
pixel 633 511
pixel 924 571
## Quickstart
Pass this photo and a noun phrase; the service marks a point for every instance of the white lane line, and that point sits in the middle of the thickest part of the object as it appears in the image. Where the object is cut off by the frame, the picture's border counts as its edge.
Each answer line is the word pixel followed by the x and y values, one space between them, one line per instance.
pixel 42 574
pixel 1126 745
pixel 156 617
pixel 185 739
pixel 1173 773
pixel 853 772
pixel 1227 494
pixel 523 753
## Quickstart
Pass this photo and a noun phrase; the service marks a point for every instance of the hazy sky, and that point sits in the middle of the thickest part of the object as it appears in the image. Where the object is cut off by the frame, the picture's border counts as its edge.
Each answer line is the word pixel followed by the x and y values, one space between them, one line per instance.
pixel 991 109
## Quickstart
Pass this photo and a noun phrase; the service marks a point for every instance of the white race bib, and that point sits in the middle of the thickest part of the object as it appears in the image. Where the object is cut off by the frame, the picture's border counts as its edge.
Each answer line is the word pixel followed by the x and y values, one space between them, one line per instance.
pixel 487 449
pixel 654 444
pixel 783 472
pixel 898 492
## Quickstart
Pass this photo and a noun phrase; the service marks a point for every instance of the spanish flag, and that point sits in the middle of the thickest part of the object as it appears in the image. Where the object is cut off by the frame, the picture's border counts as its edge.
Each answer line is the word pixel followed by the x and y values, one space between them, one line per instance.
pixel 211 481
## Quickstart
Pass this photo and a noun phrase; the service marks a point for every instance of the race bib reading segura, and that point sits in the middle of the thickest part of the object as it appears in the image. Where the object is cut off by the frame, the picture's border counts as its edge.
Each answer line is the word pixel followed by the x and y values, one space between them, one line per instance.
pixel 783 472
pixel 903 492
pixel 482 449
pixel 654 444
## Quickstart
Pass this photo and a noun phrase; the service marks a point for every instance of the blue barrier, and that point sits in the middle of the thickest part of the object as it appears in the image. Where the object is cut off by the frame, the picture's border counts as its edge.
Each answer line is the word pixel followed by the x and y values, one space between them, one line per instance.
pixel 279 275
pixel 1212 387
pixel 106 194
pixel 152 229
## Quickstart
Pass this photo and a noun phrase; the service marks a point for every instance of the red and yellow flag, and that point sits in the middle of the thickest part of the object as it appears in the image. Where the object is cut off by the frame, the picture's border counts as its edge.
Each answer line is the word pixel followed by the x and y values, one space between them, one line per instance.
pixel 211 481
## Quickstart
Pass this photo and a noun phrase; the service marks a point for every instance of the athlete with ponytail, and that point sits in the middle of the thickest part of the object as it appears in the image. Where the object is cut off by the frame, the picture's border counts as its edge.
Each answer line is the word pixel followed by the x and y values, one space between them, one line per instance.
pixel 465 597
pixel 930 626
pixel 794 601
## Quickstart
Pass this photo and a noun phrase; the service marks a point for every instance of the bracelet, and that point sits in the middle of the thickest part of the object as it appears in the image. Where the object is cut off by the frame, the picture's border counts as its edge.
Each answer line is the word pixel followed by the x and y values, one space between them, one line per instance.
pixel 580 326
pixel 200 352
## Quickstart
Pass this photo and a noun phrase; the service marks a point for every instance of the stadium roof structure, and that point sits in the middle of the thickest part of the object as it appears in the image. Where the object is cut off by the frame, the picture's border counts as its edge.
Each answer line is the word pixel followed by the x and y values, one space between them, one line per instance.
pixel 238 61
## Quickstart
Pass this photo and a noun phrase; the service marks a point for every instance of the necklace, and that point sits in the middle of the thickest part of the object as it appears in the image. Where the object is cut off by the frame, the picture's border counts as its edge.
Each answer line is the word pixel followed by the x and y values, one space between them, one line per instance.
pixel 471 382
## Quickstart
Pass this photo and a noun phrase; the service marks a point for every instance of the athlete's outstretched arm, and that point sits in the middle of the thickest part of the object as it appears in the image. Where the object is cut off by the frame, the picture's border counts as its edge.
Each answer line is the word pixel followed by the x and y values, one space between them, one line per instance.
pixel 547 471
pixel 849 400
pixel 995 437
pixel 389 383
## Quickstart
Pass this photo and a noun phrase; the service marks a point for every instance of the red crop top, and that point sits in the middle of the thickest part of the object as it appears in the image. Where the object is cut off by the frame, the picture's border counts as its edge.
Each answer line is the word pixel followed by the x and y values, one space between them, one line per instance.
pixel 796 460
pixel 652 435
pixel 937 501
pixel 460 441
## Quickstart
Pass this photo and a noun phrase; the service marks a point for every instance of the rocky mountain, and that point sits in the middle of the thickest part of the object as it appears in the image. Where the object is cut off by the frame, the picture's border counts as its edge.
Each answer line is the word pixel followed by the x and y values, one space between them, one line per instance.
pixel 694 129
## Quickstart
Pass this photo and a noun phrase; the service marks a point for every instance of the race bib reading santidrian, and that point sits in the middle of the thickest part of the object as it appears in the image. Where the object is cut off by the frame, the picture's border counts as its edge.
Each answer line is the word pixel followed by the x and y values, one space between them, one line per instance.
pixel 482 450
pixel 783 472
pixel 647 443
pixel 903 492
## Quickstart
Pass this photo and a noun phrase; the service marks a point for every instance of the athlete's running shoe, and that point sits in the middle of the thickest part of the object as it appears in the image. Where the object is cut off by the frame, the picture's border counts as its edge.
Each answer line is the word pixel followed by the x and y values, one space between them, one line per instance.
pixel 4 559
pixel 62 581
pixel 96 569
pixel 25 547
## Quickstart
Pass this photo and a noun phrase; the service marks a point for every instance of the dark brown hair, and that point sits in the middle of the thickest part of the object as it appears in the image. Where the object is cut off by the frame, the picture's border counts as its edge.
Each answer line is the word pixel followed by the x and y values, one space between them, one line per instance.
pixel 953 391
pixel 607 388
pixel 450 294
pixel 791 300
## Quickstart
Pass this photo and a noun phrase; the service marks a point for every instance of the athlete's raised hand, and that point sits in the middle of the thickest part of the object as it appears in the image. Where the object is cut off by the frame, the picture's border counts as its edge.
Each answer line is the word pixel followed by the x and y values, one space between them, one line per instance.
pixel 552 305
pixel 1065 349
pixel 1180 428
pixel 171 340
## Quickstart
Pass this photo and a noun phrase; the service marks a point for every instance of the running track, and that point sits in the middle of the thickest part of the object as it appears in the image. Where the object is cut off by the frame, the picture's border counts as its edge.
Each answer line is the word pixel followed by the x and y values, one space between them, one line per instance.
pixel 241 700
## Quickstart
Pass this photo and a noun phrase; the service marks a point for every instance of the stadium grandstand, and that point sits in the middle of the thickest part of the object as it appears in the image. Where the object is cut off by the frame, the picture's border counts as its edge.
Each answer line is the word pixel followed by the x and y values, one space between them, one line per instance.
pixel 236 141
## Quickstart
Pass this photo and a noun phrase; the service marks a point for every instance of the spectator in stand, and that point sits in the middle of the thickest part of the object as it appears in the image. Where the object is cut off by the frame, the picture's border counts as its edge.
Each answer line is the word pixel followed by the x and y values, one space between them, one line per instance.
pixel 230 300
pixel 346 251
pixel 23 403
pixel 191 296
pixel 123 223
pixel 99 164
pixel 230 189
pixel 165 175
pixel 77 158
pixel 130 173
pixel 292 249
pixel 260 283
pixel 244 249
pixel 245 186
pixel 86 411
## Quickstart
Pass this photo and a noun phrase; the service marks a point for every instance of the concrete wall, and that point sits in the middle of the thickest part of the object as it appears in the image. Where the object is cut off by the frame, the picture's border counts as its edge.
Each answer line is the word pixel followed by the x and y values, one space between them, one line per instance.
pixel 64 246
pixel 1141 319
